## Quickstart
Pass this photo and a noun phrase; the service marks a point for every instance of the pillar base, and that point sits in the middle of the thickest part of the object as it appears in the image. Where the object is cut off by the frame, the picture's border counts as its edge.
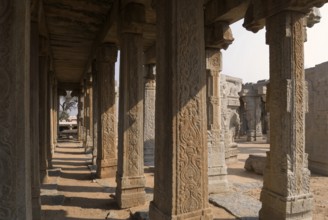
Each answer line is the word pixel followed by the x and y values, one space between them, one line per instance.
pixel 130 191
pixel 217 180
pixel 277 207
pixel 155 213
pixel 106 168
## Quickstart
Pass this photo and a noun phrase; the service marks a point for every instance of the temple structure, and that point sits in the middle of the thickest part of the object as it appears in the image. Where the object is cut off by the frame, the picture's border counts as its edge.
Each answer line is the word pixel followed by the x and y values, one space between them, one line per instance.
pixel 51 46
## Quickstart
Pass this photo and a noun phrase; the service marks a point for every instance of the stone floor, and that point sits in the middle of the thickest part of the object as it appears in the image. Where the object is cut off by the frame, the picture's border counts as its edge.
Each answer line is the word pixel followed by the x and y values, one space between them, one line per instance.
pixel 72 193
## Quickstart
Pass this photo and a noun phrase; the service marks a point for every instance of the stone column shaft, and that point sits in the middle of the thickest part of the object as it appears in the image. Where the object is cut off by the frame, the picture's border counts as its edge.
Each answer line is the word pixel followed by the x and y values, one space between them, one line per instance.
pixel 107 148
pixel 88 115
pixel 286 193
pixel 43 101
pixel 181 178
pixel 34 120
pixel 95 112
pixel 149 115
pixel 130 178
pixel 15 151
pixel 217 169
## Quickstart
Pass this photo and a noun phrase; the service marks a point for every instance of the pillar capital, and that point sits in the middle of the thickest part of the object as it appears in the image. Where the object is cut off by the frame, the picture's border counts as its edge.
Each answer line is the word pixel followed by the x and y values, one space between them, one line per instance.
pixel 218 35
pixel 107 52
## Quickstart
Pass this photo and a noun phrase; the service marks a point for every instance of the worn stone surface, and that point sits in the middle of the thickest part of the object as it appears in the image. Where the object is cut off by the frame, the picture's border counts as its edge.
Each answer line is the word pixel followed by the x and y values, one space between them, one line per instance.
pixel 107 132
pixel 255 163
pixel 230 86
pixel 181 180
pixel 317 118
pixel 149 115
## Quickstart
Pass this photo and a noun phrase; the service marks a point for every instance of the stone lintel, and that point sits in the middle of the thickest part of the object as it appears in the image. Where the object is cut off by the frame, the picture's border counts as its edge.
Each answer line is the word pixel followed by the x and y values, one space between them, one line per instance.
pixel 257 12
pixel 292 207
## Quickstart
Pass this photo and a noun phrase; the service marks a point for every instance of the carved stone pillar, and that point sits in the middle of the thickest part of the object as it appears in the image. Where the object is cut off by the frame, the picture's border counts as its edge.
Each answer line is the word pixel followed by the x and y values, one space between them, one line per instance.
pixel 55 112
pixel 107 149
pixel 181 180
pixel 217 169
pixel 253 115
pixel 149 115
pixel 130 178
pixel 43 111
pixel 286 193
pixel 81 115
pixel 34 120
pixel 88 143
pixel 15 151
pixel 95 112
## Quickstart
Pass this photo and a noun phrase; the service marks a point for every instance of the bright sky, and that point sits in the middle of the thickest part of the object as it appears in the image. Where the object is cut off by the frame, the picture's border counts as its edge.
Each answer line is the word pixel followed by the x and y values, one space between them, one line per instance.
pixel 248 56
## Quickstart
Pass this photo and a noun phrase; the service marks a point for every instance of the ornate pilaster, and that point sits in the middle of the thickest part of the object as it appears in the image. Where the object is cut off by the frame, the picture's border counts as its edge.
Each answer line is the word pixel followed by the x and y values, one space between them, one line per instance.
pixel 34 120
pixel 217 169
pixel 286 190
pixel 15 151
pixel 149 115
pixel 107 148
pixel 181 179
pixel 130 177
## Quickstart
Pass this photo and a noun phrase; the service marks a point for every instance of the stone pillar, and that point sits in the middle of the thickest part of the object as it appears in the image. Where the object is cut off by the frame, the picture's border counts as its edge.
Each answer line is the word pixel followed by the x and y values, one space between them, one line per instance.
pixel 34 120
pixel 286 191
pixel 107 148
pixel 43 107
pixel 95 112
pixel 130 177
pixel 88 144
pixel 81 115
pixel 181 179
pixel 217 169
pixel 15 151
pixel 55 113
pixel 149 115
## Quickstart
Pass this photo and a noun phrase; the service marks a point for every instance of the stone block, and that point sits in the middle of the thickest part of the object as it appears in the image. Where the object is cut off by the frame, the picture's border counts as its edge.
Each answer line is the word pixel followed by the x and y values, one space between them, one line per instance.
pixel 256 163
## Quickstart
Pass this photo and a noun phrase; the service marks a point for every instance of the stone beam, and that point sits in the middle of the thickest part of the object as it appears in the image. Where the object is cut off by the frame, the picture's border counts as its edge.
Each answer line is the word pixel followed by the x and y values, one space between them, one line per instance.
pixel 257 11
pixel 225 10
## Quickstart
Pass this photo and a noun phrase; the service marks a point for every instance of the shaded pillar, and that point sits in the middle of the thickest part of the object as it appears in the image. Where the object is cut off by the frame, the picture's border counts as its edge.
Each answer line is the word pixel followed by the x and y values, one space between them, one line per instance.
pixel 149 115
pixel 81 115
pixel 130 177
pixel 15 151
pixel 95 112
pixel 43 107
pixel 88 144
pixel 286 191
pixel 34 120
pixel 217 169
pixel 107 148
pixel 181 178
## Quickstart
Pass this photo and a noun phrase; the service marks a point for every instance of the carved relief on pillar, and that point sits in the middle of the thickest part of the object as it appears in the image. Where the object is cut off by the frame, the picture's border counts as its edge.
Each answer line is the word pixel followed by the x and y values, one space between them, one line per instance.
pixel 230 87
pixel 107 122
pixel 149 115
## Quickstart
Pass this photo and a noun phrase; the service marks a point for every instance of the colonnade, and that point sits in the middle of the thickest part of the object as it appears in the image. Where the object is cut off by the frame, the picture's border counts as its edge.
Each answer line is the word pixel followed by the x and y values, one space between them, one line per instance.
pixel 181 184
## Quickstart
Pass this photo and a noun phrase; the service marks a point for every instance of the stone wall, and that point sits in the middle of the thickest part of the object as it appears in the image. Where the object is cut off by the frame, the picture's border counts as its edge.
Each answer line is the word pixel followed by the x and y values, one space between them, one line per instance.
pixel 317 118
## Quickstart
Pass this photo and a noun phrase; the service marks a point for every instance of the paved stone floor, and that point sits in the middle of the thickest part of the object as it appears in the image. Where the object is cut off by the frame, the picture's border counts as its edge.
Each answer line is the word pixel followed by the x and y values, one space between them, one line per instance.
pixel 72 193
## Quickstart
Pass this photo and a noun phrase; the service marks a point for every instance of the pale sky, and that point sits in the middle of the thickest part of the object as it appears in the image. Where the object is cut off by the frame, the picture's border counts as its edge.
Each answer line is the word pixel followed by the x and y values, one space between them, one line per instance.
pixel 248 56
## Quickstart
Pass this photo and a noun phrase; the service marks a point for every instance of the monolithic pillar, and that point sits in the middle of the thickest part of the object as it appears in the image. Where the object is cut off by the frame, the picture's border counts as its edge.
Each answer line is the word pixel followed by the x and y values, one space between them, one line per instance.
pixel 217 169
pixel 181 178
pixel 149 115
pixel 88 144
pixel 43 110
pixel 130 177
pixel 55 112
pixel 34 120
pixel 81 115
pixel 15 152
pixel 107 148
pixel 95 112
pixel 286 192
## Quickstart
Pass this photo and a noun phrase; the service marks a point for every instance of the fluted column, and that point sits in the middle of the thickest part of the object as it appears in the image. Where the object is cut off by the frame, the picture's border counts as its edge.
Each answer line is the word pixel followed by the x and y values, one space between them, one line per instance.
pixel 181 177
pixel 34 120
pixel 107 122
pixel 15 151
pixel 149 115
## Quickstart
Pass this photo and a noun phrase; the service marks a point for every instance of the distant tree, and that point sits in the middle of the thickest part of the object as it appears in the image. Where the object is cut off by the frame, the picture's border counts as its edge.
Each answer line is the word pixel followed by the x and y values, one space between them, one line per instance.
pixel 67 104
